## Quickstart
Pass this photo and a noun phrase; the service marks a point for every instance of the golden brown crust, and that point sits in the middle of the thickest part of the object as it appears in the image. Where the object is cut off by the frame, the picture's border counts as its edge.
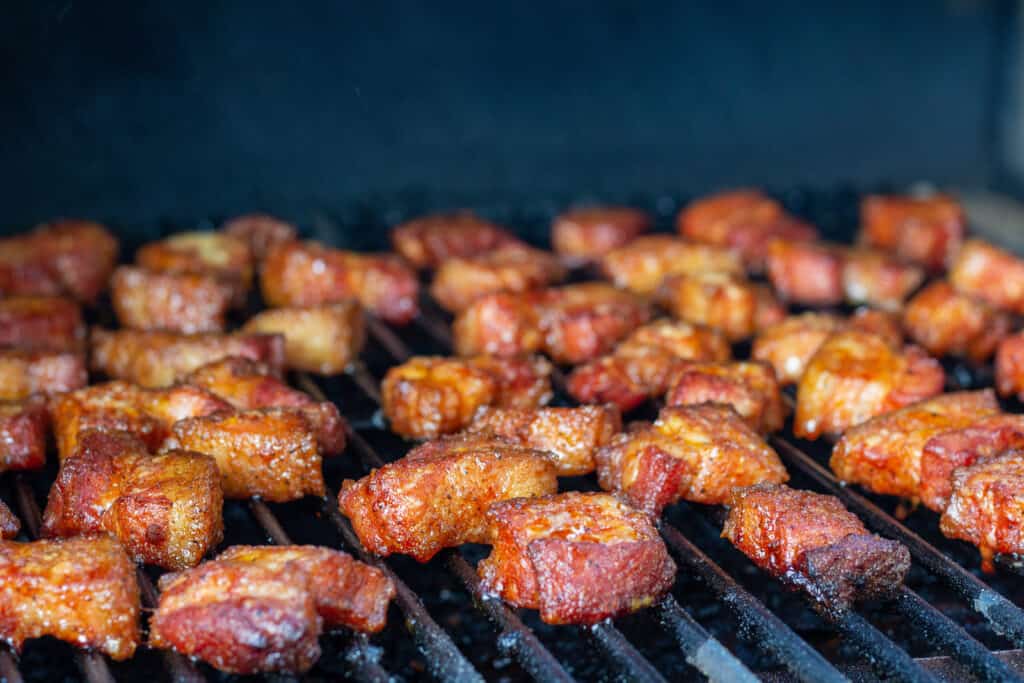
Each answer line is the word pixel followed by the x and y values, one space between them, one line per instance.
pixel 877 278
pixel 23 428
pixel 734 305
pixel 584 235
pixel 10 525
pixel 922 230
pixel 809 273
pixel 41 323
pixel 260 231
pixel 23 373
pixel 749 388
pixel 216 254
pixel 641 265
pixel 429 241
pixel 514 269
pixel 557 553
pixel 989 273
pixel 323 339
pixel 80 590
pixel 177 302
pixel 946 322
pixel 1010 366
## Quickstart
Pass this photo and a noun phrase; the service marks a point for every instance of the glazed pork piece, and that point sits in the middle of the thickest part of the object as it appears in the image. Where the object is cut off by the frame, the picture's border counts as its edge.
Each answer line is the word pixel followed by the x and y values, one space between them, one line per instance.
pixel 41 323
pixel 569 435
pixel 23 373
pixel 10 525
pixel 164 509
pixel 986 507
pixel 986 272
pixel 176 302
pixel 734 305
pixel 322 339
pixel 813 542
pixel 557 553
pixel 879 279
pixel 66 257
pixel 922 230
pixel 884 453
pixel 311 273
pixel 641 265
pixel 584 235
pixel 435 497
pixel 856 375
pixel 694 453
pixel 749 388
pixel 23 426
pixel 571 324
pixel 1010 366
pixel 159 359
pixel 260 231
pixel 215 254
pixel 514 268
pixel 429 241
pixel 80 590
pixel 642 365
pixel 946 322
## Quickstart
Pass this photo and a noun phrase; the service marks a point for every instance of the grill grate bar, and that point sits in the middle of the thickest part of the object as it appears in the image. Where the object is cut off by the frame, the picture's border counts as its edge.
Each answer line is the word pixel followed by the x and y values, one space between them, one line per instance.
pixel 182 669
pixel 703 652
pixel 633 664
pixel 888 659
pixel 9 668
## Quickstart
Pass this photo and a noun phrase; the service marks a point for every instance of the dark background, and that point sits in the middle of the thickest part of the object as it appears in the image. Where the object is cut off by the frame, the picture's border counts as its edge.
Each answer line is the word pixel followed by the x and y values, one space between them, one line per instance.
pixel 134 112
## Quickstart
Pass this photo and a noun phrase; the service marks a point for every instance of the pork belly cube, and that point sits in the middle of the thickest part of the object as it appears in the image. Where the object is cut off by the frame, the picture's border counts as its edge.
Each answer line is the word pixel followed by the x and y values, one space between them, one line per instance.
pixel 429 241
pixel 514 269
pixel 260 231
pixel 584 235
pixel 569 435
pixel 642 366
pixel 884 453
pixel 812 542
pixel 557 553
pixel 311 273
pixel 177 302
pixel 946 322
pixel 977 442
pixel 23 427
pixel 323 339
pixel 435 497
pixel 1009 366
pixel 159 359
pixel 247 385
pixel 923 230
pixel 694 453
pixel 23 373
pixel 749 388
pixel 879 279
pixel 734 305
pixel 80 590
pixel 989 273
pixel 41 323
pixel 856 375
pixel 809 273
pixel 523 382
pixel 986 507
pixel 641 265
pixel 10 525
pixel 217 254
pixel 164 509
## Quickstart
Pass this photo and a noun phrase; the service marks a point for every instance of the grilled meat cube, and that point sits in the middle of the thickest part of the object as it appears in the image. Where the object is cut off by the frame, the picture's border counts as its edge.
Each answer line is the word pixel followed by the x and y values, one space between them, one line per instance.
pixel 435 497
pixel 323 339
pixel 946 322
pixel 41 323
pixel 856 375
pixel 248 385
pixel 80 590
pixel 164 509
pixel 584 235
pixel 523 382
pixel 429 241
pixel 884 453
pixel 734 305
pixel 203 253
pixel 260 231
pixel 557 553
pixel 989 273
pixel 10 525
pixel 813 542
pixel 749 388
pixel 695 453
pixel 159 359
pixel 569 435
pixel 986 507
pixel 460 280
pixel 879 279
pixel 177 302
pixel 1010 366
pixel 926 231
pixel 23 434
pixel 310 273
pixel 809 273
pixel 642 365
pixel 641 265
pixel 23 373
pixel 65 257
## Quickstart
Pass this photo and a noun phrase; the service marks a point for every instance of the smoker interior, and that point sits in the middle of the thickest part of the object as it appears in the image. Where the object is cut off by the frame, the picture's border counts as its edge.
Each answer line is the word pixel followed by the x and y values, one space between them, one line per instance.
pixel 721 593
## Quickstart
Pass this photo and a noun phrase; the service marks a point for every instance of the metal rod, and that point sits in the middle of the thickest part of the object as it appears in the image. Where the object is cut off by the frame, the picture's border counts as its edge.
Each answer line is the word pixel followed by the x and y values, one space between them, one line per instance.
pixel 703 652
pixel 181 668
pixel 885 657
pixel 9 668
pixel 632 664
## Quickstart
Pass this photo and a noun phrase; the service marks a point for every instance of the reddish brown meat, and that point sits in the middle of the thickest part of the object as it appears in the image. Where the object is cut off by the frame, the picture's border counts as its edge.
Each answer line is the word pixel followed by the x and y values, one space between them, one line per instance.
pixel 215 254
pixel 923 230
pixel 749 388
pixel 584 235
pixel 177 302
pixel 41 323
pixel 23 426
pixel 10 525
pixel 461 280
pixel 641 265
pixel 734 305
pixel 1010 366
pixel 879 279
pixel 324 339
pixel 23 373
pixel 945 322
pixel 809 273
pixel 429 241
pixel 260 231
pixel 989 273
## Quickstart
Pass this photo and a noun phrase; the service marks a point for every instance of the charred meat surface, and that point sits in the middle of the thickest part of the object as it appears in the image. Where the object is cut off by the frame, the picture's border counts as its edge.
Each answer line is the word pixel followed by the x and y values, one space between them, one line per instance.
pixel 923 230
pixel 749 388
pixel 24 373
pixel 429 241
pixel 23 428
pixel 947 323
pixel 584 235
pixel 985 271
pixel 514 269
pixel 322 339
pixel 734 305
pixel 176 302
pixel 41 323
pixel 641 265
pixel 260 231
pixel 217 254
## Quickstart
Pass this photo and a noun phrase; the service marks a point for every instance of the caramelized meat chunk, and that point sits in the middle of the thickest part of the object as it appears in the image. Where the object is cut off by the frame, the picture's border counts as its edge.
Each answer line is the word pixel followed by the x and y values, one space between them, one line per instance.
pixel 177 302
pixel 557 553
pixel 879 279
pixel 164 509
pixel 641 265
pixel 429 241
pixel 41 323
pixel 987 506
pixel 569 435
pixel 642 366
pixel 1010 366
pixel 260 231
pixel 23 373
pixel 461 280
pixel 310 273
pixel 203 253
pixel 813 542
pixel 884 453
pixel 855 375
pixel 271 453
pixel 734 305
pixel 323 339
pixel 80 590
pixel 435 497
pixel 695 453
pixel 23 434
pixel 946 322
pixel 10 525
pixel 989 273
pixel 585 235
pixel 159 359
pixel 922 230
pixel 809 273
pixel 749 388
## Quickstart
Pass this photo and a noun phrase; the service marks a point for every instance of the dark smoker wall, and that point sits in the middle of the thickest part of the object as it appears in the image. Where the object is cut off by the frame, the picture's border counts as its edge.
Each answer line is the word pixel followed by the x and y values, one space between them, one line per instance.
pixel 129 111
